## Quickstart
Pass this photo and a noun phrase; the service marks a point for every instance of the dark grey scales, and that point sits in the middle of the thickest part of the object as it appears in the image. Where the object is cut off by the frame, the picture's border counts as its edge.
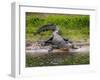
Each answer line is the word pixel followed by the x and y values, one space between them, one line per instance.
pixel 55 40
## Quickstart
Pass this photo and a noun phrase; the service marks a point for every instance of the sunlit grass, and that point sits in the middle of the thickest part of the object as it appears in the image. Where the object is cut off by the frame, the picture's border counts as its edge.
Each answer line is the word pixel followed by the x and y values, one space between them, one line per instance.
pixel 75 27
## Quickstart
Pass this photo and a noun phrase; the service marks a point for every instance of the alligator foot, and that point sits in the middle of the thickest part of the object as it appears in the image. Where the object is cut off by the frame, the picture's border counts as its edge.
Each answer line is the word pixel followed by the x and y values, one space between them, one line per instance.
pixel 74 47
pixel 50 50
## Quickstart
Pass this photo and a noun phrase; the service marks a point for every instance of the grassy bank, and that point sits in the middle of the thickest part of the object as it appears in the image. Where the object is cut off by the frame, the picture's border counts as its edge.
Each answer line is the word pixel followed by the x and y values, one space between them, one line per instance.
pixel 74 27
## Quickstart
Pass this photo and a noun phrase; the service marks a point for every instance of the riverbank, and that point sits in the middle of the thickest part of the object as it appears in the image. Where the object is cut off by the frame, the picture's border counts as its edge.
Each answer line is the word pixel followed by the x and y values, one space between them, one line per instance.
pixel 35 49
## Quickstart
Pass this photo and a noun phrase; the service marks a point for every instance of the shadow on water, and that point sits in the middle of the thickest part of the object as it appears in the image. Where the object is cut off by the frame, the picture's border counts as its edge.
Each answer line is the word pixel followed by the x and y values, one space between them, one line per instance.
pixel 55 59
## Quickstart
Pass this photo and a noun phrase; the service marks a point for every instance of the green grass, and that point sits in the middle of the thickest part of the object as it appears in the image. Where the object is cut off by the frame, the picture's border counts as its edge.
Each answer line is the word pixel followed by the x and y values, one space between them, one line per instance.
pixel 75 27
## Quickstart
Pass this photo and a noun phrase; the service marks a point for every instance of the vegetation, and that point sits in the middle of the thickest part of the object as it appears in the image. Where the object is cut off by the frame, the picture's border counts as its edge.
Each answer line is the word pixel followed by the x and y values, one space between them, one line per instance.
pixel 74 27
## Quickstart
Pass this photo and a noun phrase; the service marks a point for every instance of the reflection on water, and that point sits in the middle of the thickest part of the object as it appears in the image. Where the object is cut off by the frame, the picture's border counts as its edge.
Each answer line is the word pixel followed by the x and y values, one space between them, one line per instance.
pixel 54 59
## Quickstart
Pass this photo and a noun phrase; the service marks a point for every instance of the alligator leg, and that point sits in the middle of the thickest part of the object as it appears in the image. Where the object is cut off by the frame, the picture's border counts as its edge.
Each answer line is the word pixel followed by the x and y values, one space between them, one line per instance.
pixel 74 46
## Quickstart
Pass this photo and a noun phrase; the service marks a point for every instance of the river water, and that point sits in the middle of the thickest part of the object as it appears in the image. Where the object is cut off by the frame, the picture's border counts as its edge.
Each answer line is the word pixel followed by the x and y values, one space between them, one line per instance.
pixel 57 59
